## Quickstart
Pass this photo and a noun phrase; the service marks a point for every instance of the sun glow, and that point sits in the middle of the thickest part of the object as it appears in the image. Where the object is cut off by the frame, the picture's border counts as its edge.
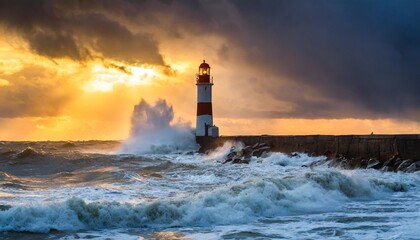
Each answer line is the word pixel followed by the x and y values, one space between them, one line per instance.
pixel 105 78
pixel 4 82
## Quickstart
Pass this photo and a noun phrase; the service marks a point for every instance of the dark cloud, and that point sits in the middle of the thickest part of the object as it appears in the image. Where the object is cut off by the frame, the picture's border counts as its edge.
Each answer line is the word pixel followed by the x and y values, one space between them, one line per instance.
pixel 358 58
pixel 326 59
pixel 76 30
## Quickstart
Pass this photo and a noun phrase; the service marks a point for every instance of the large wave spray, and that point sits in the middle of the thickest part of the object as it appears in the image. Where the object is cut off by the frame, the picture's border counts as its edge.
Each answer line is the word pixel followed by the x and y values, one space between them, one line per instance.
pixel 152 130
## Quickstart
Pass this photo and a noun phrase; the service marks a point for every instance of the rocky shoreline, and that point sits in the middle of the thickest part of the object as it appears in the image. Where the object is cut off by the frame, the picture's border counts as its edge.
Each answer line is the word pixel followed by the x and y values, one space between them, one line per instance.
pixel 245 154
pixel 393 164
pixel 398 152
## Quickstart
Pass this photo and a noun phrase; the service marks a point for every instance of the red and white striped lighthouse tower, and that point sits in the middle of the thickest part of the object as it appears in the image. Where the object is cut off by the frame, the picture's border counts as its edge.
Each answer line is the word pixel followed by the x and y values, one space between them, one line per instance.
pixel 204 125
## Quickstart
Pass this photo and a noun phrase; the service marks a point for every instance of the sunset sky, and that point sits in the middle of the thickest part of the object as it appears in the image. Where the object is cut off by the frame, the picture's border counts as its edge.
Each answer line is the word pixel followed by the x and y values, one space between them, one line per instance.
pixel 73 70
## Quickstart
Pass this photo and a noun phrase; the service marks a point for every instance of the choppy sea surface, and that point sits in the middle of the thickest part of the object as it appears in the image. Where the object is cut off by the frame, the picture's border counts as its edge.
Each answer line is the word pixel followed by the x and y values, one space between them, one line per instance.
pixel 90 191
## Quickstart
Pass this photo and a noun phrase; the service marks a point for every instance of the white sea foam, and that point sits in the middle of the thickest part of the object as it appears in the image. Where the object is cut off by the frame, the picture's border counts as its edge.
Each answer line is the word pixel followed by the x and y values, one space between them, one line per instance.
pixel 219 154
pixel 308 192
pixel 129 197
pixel 153 130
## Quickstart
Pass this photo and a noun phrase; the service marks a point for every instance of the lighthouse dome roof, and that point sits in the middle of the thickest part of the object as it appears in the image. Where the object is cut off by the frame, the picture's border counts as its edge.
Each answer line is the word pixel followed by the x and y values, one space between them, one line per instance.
pixel 204 65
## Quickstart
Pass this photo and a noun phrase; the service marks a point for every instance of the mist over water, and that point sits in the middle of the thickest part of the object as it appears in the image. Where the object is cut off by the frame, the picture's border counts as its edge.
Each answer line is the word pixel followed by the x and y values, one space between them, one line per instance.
pixel 153 130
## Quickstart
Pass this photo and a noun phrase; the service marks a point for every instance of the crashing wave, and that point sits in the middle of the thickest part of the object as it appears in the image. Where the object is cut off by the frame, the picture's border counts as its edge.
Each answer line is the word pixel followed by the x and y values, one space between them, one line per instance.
pixel 152 131
pixel 312 192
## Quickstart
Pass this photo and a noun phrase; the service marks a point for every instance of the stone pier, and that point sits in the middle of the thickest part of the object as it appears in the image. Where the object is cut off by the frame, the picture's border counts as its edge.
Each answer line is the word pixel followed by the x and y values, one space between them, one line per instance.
pixel 381 147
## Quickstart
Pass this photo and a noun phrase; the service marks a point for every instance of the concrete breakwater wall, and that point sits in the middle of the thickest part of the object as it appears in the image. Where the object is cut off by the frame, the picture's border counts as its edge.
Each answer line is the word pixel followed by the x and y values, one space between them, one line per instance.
pixel 381 147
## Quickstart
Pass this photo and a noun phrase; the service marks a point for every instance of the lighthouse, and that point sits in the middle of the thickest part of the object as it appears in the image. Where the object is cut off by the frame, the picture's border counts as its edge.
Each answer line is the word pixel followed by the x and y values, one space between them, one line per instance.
pixel 204 124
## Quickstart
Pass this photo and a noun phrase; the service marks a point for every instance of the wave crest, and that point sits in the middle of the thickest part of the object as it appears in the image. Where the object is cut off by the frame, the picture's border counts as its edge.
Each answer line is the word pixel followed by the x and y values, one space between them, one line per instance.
pixel 312 192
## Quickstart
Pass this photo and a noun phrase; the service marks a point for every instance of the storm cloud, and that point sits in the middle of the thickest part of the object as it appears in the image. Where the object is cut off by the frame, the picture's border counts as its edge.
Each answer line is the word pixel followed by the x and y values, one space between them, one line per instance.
pixel 76 30
pixel 358 58
pixel 325 59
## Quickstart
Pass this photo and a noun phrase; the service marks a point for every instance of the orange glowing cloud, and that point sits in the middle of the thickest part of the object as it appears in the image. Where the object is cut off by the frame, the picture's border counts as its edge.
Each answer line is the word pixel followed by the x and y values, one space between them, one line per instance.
pixel 76 69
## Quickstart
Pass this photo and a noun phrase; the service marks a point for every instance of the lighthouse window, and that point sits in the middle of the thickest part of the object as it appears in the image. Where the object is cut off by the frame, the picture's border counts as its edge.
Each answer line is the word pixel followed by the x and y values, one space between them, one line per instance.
pixel 204 71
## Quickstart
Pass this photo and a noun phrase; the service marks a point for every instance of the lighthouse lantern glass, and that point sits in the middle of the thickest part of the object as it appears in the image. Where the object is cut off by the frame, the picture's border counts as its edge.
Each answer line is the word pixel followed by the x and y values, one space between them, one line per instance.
pixel 204 71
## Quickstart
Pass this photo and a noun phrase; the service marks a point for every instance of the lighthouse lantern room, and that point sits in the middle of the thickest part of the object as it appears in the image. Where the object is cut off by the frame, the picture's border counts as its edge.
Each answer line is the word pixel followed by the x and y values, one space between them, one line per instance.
pixel 204 124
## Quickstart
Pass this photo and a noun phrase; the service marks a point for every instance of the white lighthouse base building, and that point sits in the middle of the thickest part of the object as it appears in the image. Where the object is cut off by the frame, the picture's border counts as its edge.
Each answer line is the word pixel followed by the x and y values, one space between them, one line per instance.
pixel 214 131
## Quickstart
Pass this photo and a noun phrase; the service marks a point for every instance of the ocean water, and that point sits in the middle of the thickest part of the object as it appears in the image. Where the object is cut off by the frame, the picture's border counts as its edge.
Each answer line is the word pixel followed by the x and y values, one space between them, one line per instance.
pixel 94 191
